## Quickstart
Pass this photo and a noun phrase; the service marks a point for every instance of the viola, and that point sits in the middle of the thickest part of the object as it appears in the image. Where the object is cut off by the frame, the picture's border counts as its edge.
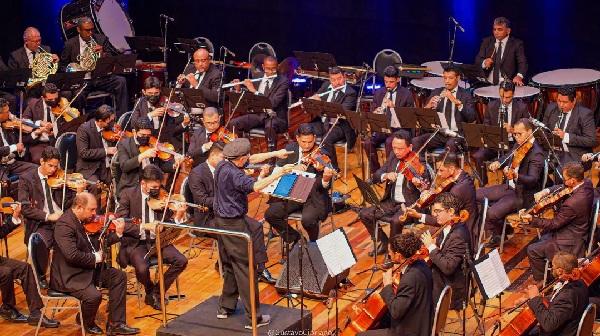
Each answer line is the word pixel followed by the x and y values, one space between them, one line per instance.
pixel 25 125
pixel 74 181
pixel 429 195
pixel 115 134
pixel 158 204
pixel 549 201
pixel 97 224
pixel 6 205
pixel 64 109
pixel 319 160
pixel 411 167
pixel 518 157
pixel 165 151
pixel 222 135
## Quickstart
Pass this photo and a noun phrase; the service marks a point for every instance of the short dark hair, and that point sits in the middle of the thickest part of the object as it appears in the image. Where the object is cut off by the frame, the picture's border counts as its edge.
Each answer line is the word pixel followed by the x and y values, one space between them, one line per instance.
pixel 403 135
pixel 50 153
pixel 526 123
pixel 507 86
pixel 502 21
pixel 565 260
pixel 49 88
pixel 143 123
pixel 568 91
pixel 448 201
pixel 103 112
pixel 334 70
pixel 574 169
pixel 407 244
pixel 152 83
pixel 151 173
pixel 450 159
pixel 391 71
pixel 305 129
pixel 452 68
pixel 3 102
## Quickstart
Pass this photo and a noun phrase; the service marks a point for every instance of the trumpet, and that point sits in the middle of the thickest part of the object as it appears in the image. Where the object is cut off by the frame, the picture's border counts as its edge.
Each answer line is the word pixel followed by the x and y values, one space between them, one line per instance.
pixel 228 85
pixel 298 103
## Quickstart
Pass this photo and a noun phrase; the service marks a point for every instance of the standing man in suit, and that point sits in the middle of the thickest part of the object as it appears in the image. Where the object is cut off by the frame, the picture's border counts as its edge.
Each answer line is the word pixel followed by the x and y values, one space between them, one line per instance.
pixel 42 205
pixel 385 101
pixel 204 76
pixel 502 113
pixel 501 55
pixel 40 112
pixel 12 151
pixel 560 315
pixel 200 143
pixel 317 205
pixel 448 251
pixel 454 105
pixel 573 124
pixel 276 89
pixel 74 264
pixel 569 229
pixel 75 46
pixel 399 192
pixel 94 152
pixel 343 94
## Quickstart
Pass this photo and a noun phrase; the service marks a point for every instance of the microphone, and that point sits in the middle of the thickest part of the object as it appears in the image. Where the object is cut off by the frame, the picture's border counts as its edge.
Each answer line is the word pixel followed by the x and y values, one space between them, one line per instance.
pixel 227 51
pixel 451 133
pixel 538 123
pixel 168 18
pixel 456 24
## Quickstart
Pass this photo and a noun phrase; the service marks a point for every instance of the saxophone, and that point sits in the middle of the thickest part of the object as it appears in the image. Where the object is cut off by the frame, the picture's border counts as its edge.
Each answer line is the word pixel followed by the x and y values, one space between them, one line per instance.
pixel 87 59
pixel 42 66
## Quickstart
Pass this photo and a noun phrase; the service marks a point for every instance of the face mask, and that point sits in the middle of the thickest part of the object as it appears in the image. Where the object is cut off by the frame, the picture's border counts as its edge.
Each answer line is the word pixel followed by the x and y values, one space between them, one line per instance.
pixel 154 193
pixel 143 140
pixel 52 103
pixel 153 99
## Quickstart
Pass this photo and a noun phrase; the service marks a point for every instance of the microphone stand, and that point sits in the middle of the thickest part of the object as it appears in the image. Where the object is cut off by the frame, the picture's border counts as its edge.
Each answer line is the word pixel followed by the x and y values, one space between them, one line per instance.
pixel 452 41
pixel 225 53
pixel 551 154
pixel 165 49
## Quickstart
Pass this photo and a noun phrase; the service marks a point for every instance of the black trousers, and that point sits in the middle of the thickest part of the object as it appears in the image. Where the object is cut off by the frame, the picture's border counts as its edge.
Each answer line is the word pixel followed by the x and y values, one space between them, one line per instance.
pixel 272 125
pixel 116 85
pixel 481 156
pixel 439 140
pixel 42 252
pixel 11 269
pixel 116 282
pixel 503 201
pixel 337 134
pixel 545 249
pixel 234 258
pixel 390 211
pixel 279 210
pixel 372 144
pixel 172 256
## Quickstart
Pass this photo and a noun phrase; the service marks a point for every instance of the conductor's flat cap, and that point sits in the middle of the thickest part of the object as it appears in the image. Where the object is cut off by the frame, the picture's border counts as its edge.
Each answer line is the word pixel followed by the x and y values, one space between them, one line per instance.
pixel 238 147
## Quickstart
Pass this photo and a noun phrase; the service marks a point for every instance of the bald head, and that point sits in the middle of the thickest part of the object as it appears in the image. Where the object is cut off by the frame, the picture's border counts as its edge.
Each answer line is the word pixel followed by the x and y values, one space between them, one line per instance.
pixel 201 60
pixel 84 206
pixel 32 38
pixel 211 119
pixel 83 199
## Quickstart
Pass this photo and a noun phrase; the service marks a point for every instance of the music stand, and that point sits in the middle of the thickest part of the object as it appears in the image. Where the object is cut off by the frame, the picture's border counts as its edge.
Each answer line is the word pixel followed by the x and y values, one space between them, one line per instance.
pixel 485 136
pixel 109 65
pixel 67 81
pixel 407 116
pixel 189 98
pixel 551 143
pixel 426 118
pixel 315 61
pixel 145 43
pixel 249 103
pixel 13 79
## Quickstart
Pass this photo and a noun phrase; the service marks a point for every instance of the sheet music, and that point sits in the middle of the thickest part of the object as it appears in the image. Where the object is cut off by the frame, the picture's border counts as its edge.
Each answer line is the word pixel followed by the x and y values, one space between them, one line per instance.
pixel 271 187
pixel 492 274
pixel 336 252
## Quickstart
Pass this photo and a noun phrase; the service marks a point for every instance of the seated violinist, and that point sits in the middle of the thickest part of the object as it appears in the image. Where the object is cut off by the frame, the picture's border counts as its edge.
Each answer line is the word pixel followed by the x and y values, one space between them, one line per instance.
pixel 569 229
pixel 12 150
pixel 399 190
pixel 560 313
pixel 523 169
pixel 448 250
pixel 153 108
pixel 202 139
pixel 318 204
pixel 137 241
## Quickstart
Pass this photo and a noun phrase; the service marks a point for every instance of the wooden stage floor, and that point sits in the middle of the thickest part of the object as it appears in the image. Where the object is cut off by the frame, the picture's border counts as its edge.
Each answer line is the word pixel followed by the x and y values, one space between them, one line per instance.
pixel 201 281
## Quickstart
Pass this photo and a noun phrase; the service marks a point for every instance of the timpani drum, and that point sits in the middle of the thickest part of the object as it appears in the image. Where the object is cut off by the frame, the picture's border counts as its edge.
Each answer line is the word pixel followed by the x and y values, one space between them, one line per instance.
pixel 585 81
pixel 527 94
pixel 150 69
pixel 435 67
pixel 421 88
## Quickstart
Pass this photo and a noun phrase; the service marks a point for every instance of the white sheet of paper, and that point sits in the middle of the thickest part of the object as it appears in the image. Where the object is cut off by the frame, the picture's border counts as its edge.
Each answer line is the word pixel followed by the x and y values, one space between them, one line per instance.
pixel 492 274
pixel 336 252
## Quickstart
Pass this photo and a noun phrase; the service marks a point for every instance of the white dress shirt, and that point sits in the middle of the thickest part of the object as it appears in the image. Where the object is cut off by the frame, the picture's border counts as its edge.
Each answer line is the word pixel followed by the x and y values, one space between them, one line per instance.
pixel 145 198
pixel 263 85
pixel 565 140
pixel 104 144
pixel 445 232
pixel 444 123
pixel 46 210
pixel 199 77
pixel 399 187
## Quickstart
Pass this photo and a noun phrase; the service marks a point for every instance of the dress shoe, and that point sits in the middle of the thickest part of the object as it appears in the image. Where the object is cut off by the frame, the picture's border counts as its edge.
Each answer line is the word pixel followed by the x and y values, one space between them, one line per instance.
pixel 43 283
pixel 94 329
pixel 12 315
pixel 493 242
pixel 121 329
pixel 46 322
pixel 262 320
pixel 153 300
pixel 266 277
pixel 382 248
pixel 223 313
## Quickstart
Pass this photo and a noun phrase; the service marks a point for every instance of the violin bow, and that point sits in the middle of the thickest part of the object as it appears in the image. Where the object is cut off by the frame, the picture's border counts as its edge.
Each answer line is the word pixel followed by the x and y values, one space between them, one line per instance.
pixel 515 150
pixel 237 104
pixel 65 182
pixel 64 110
pixel 162 123
pixel 21 119
pixel 128 122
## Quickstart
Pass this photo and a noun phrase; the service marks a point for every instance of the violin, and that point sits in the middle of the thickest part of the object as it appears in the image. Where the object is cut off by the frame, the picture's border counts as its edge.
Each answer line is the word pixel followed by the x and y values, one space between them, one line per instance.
pixel 74 181
pixel 518 157
pixel 549 201
pixel 319 160
pixel 411 167
pixel 97 224
pixel 6 205
pixel 429 195
pixel 64 109
pixel 25 125
pixel 165 151
pixel 222 135
pixel 158 204
pixel 115 134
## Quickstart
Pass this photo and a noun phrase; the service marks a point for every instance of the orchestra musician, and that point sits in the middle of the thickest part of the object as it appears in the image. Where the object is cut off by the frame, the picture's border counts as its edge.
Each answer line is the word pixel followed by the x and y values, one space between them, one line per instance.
pixel 12 269
pixel 318 204
pixel 42 205
pixel 500 112
pixel 454 106
pixel 342 93
pixel 448 250
pixel 74 269
pixel 501 55
pixel 200 142
pixel 399 190
pixel 203 75
pixel 230 205
pixel 524 175
pixel 276 89
pixel 569 229
pixel 74 48
pixel 561 312
pixel 385 101
pixel 12 151
pixel 137 240
pixel 573 123
pixel 153 108
pixel 201 186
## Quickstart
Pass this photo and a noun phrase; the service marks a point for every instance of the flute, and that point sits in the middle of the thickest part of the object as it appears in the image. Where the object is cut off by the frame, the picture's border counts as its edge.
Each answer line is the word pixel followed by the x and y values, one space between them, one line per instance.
pixel 228 85
pixel 298 103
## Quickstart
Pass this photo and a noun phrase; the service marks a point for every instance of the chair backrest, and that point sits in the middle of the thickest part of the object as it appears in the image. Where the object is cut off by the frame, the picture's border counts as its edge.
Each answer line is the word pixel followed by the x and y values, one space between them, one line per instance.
pixel 206 43
pixel 441 311
pixel 594 221
pixel 187 193
pixel 66 143
pixel 256 55
pixel 385 58
pixel 486 206
pixel 35 242
pixel 124 121
pixel 586 324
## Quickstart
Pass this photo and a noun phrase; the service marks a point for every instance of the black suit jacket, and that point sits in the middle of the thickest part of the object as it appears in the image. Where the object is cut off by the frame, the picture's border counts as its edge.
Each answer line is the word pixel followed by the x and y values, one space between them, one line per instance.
pixel 531 169
pixel 347 99
pixel 404 98
pixel 411 305
pixel 210 84
pixel 18 58
pixel 202 186
pixel 12 138
pixel 172 131
pixel 562 315
pixel 278 95
pixel 409 190
pixel 519 110
pixel 513 58
pixel 91 154
pixel 71 49
pixel 198 139
pixel 73 261
pixel 581 129
pixel 570 226
pixel 129 166
pixel 447 264
pixel 466 115
pixel 35 112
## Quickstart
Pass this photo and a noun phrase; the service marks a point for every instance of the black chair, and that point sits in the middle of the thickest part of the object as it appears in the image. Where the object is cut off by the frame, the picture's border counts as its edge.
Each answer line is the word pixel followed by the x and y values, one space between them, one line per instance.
pixel 204 42
pixel 385 58
pixel 66 143
pixel 256 55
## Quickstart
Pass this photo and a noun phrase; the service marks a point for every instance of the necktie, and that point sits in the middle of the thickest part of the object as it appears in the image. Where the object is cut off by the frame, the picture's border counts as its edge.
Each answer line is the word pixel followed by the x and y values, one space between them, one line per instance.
pixel 563 121
pixel 448 112
pixel 267 87
pixel 147 220
pixel 497 58
pixel 48 196
pixel 33 53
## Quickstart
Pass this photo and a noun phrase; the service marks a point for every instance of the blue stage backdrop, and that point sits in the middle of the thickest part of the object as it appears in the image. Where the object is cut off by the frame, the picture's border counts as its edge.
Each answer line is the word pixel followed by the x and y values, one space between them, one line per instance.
pixel 557 33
